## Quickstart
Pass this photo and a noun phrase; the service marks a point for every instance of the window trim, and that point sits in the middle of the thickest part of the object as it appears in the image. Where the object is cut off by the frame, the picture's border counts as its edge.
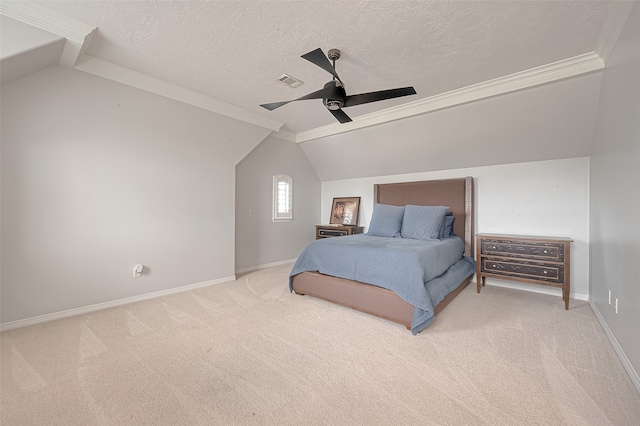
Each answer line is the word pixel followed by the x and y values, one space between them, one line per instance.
pixel 277 215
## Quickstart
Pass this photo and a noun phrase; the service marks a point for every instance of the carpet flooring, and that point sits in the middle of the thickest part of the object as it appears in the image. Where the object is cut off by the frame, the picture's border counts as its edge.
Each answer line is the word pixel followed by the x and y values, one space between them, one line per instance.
pixel 250 353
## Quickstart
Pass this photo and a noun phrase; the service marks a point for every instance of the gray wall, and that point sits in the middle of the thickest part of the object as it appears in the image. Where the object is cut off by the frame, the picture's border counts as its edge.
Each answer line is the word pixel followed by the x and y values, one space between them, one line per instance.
pixel 97 177
pixel 547 122
pixel 260 241
pixel 615 192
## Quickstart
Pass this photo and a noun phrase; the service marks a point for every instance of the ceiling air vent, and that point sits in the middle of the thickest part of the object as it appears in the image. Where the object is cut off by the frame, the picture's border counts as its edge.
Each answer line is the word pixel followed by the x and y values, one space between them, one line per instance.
pixel 290 81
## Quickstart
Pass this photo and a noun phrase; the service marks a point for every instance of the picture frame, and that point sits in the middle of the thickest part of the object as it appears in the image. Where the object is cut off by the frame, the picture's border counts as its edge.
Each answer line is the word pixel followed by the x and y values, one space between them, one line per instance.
pixel 344 211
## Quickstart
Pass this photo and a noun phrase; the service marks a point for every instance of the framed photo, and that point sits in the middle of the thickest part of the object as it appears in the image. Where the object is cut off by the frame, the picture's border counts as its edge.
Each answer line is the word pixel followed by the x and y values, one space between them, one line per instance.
pixel 344 211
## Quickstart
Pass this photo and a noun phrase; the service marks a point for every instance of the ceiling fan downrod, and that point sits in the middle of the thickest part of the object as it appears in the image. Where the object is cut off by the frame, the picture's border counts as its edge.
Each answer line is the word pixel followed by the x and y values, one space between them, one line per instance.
pixel 335 104
pixel 334 55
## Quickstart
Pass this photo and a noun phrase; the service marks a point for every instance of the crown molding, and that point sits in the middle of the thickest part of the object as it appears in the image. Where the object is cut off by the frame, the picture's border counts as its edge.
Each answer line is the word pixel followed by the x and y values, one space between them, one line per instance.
pixel 77 34
pixel 111 71
pixel 78 37
pixel 46 19
pixel 285 135
pixel 566 68
pixel 612 27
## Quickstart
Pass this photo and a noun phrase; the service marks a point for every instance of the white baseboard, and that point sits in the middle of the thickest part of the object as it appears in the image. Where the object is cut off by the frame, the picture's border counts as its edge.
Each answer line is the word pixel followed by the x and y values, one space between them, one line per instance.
pixel 537 289
pixel 113 303
pixel 633 374
pixel 264 266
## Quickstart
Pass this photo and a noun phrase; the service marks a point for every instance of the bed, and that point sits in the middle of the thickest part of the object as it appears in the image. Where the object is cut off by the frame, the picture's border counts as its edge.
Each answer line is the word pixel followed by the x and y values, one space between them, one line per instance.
pixel 372 297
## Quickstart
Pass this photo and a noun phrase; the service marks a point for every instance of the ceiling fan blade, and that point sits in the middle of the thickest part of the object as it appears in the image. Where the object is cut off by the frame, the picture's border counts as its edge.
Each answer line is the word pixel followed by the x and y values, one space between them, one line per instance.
pixel 318 94
pixel 325 92
pixel 318 58
pixel 381 95
pixel 340 115
pixel 274 105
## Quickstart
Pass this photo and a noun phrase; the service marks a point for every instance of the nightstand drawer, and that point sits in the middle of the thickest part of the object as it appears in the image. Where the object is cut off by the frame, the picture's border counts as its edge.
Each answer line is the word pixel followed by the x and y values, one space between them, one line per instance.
pixel 328 231
pixel 525 270
pixel 331 233
pixel 530 249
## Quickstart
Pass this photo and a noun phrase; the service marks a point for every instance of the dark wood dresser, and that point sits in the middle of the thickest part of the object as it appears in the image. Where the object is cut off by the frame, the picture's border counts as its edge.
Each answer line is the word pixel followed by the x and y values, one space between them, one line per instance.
pixel 533 260
pixel 328 231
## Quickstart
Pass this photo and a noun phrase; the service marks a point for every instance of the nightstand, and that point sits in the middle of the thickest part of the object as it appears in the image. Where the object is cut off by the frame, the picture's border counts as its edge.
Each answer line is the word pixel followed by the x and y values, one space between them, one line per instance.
pixel 328 231
pixel 533 260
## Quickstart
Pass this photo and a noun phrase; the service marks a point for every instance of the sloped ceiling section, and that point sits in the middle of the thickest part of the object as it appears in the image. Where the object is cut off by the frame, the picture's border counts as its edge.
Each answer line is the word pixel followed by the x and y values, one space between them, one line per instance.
pixel 78 36
pixel 501 81
pixel 25 49
pixel 226 56
pixel 552 121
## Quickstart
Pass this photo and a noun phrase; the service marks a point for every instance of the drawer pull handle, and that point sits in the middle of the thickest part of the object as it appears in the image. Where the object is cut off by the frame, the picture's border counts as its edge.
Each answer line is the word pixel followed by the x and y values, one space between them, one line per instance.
pixel 546 251
pixel 493 266
pixel 544 272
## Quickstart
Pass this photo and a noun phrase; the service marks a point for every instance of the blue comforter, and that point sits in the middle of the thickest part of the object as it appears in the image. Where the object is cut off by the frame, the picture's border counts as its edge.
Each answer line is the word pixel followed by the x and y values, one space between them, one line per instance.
pixel 420 272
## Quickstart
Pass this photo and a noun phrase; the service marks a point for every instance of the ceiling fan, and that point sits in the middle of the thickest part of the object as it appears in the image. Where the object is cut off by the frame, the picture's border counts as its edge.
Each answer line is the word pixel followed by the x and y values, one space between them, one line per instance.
pixel 333 94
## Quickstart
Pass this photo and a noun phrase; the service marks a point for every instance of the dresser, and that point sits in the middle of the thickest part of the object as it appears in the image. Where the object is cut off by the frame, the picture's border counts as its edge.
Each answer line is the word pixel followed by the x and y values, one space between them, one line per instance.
pixel 527 259
pixel 328 231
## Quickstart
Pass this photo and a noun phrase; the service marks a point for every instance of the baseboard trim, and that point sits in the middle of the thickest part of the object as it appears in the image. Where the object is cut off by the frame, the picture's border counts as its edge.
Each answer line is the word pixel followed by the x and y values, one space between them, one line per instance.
pixel 633 374
pixel 111 304
pixel 264 266
pixel 538 289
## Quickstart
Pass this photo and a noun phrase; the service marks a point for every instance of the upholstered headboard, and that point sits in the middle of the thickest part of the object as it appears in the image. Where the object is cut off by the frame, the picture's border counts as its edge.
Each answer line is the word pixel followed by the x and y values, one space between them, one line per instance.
pixel 457 194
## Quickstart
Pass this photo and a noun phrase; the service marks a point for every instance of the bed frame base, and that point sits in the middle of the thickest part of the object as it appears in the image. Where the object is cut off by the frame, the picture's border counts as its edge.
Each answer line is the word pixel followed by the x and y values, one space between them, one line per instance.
pixel 365 298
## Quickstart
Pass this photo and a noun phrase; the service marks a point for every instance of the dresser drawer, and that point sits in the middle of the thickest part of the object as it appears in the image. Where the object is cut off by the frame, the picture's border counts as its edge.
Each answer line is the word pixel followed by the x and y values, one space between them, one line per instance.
pixel 538 271
pixel 530 249
pixel 527 259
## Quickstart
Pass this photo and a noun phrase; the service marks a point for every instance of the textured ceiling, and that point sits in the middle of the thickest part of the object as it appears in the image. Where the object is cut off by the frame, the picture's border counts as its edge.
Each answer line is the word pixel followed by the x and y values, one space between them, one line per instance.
pixel 234 50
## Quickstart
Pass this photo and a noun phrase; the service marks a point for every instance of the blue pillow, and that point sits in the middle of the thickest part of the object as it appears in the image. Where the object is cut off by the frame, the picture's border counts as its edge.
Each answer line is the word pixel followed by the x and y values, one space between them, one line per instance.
pixel 448 226
pixel 423 222
pixel 386 220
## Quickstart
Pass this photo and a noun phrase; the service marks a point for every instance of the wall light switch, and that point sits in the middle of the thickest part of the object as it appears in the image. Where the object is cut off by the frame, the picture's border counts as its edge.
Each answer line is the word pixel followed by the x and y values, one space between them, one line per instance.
pixel 137 271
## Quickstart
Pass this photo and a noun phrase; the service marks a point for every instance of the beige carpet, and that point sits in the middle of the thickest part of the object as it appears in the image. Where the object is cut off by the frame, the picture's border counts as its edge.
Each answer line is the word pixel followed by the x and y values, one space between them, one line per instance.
pixel 249 352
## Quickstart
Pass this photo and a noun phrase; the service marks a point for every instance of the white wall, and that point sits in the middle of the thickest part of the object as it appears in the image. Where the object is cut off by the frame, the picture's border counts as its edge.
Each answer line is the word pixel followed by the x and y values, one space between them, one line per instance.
pixel 98 176
pixel 259 241
pixel 615 195
pixel 537 198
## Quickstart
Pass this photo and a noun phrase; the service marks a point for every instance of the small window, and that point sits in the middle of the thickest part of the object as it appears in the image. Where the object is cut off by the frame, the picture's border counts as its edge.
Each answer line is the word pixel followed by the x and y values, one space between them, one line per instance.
pixel 282 198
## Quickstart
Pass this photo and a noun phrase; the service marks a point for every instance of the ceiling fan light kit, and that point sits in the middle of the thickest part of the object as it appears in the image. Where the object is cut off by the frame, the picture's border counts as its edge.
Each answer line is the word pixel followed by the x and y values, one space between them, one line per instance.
pixel 334 100
pixel 333 94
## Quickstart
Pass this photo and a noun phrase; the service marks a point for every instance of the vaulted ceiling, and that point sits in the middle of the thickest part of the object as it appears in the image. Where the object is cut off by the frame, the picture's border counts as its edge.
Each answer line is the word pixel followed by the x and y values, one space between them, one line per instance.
pixel 226 56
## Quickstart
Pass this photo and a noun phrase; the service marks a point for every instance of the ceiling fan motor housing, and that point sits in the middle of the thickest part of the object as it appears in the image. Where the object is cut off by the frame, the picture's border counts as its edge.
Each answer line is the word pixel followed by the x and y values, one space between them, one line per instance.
pixel 336 99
